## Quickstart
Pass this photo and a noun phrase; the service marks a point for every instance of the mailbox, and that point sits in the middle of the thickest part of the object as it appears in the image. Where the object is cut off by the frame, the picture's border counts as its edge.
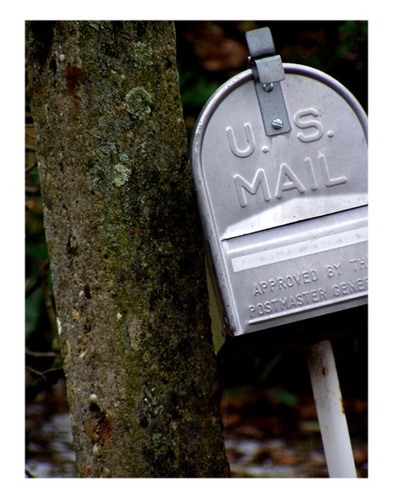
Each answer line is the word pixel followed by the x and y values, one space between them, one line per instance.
pixel 279 161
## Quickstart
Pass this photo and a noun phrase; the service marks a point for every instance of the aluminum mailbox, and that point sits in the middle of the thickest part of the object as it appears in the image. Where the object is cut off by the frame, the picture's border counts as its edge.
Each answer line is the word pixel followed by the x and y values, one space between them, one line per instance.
pixel 283 200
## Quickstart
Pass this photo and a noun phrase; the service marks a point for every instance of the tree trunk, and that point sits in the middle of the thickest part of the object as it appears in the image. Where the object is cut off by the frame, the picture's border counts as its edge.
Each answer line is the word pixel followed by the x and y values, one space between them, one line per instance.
pixel 126 252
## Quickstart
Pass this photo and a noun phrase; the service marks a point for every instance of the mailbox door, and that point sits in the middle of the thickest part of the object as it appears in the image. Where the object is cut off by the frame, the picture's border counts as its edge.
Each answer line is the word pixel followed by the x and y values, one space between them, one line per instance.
pixel 285 216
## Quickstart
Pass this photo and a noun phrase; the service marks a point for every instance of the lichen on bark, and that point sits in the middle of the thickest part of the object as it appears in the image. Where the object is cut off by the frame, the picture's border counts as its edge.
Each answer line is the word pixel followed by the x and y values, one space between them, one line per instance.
pixel 126 250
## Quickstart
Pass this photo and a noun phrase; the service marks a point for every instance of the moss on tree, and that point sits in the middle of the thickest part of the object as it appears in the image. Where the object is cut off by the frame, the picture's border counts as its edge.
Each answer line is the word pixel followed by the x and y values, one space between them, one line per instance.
pixel 126 250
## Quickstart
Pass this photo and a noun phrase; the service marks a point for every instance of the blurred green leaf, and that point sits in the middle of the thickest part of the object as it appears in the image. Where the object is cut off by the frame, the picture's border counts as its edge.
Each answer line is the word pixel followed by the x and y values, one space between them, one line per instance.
pixel 34 304
pixel 281 396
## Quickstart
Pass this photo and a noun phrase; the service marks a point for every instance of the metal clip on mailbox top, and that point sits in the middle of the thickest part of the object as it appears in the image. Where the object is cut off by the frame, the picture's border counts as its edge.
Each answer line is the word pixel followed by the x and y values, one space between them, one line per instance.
pixel 268 72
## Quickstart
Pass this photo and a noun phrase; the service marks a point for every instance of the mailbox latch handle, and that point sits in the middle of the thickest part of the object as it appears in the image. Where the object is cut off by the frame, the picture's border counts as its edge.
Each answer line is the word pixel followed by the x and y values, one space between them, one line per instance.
pixel 268 72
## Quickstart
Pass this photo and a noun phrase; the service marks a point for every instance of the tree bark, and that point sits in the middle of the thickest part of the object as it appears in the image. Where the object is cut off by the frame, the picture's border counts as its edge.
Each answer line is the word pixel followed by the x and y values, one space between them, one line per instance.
pixel 126 252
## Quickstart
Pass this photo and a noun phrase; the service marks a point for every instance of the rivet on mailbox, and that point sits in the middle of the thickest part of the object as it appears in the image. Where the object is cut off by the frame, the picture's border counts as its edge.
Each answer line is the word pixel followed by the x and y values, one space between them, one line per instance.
pixel 279 160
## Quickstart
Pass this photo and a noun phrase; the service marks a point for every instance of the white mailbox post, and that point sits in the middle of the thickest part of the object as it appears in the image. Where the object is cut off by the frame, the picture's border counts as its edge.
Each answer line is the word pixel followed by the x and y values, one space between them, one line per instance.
pixel 279 161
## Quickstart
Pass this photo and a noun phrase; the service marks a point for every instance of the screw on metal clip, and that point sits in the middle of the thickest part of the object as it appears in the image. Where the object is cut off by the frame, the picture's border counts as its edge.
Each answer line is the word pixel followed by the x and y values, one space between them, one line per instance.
pixel 277 124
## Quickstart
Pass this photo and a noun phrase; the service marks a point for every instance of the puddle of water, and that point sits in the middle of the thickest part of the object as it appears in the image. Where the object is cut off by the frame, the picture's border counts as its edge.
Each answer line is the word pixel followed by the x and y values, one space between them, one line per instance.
pixel 49 448
pixel 49 452
pixel 273 459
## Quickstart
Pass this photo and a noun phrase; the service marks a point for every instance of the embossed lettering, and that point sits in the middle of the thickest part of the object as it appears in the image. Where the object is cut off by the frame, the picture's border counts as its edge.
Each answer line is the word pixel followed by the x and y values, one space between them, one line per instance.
pixel 259 181
pixel 350 287
pixel 308 124
pixel 241 153
pixel 276 305
pixel 310 168
pixel 359 264
pixel 287 180
pixel 328 180
pixel 284 282
pixel 334 270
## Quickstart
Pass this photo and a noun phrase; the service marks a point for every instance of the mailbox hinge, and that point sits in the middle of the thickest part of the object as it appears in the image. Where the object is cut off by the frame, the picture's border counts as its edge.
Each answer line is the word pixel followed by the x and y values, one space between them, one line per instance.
pixel 268 72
